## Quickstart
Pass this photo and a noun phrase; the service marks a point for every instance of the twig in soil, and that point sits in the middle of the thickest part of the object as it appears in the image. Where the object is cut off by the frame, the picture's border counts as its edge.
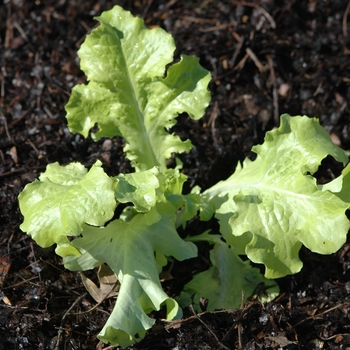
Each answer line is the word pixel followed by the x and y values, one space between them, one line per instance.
pixel 177 323
pixel 21 31
pixel 235 322
pixel 218 27
pixel 14 122
pixel 239 322
pixel 335 336
pixel 255 59
pixel 9 28
pixel 274 91
pixel 19 283
pixel 35 263
pixel 171 3
pixel 146 8
pixel 101 344
pixel 198 20
pixel 211 123
pixel 241 63
pixel 345 21
pixel 209 329
pixel 61 329
pixel 237 51
pixel 11 172
pixel 6 128
pixel 251 4
pixel 322 313
pixel 33 146
pixel 2 86
pixel 88 31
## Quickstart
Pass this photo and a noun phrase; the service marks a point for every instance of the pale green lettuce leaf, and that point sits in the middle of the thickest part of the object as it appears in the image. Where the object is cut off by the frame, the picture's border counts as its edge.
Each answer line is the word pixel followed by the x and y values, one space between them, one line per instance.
pixel 127 93
pixel 145 188
pixel 62 200
pixel 130 250
pixel 139 188
pixel 224 283
pixel 343 190
pixel 188 205
pixel 275 205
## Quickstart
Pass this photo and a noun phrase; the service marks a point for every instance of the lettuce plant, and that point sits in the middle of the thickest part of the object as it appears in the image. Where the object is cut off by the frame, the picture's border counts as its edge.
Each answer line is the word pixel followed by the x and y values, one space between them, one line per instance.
pixel 267 209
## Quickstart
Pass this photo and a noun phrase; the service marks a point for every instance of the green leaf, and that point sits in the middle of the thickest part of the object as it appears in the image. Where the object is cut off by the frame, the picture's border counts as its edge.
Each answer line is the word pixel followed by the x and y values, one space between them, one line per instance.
pixel 341 190
pixel 62 200
pixel 225 281
pixel 274 203
pixel 138 188
pixel 130 250
pixel 127 93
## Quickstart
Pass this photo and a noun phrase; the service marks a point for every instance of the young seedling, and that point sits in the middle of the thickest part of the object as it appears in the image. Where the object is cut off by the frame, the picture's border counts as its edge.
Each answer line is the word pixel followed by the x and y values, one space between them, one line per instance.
pixel 267 209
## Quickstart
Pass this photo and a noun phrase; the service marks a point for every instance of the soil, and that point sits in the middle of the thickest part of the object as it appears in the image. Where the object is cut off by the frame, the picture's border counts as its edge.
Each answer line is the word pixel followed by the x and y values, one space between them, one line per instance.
pixel 267 58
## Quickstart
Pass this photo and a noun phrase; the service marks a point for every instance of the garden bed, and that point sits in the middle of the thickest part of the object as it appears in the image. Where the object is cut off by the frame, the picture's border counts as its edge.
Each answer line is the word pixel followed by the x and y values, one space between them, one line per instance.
pixel 266 59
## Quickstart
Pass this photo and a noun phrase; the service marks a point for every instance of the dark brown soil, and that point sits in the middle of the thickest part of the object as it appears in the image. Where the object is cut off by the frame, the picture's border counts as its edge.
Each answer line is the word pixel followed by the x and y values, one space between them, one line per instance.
pixel 267 58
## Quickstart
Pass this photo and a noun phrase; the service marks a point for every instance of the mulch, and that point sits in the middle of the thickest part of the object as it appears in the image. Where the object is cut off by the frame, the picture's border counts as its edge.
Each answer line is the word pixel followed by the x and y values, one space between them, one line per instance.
pixel 266 58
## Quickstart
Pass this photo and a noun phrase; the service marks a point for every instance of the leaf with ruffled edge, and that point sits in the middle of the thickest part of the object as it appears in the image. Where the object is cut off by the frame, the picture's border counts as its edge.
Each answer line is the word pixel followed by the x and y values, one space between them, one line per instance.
pixel 62 200
pixel 226 281
pixel 130 250
pixel 127 93
pixel 271 206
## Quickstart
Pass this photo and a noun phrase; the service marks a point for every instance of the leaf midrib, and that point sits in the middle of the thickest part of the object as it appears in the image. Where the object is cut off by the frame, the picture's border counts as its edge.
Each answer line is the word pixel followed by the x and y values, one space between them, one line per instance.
pixel 140 118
